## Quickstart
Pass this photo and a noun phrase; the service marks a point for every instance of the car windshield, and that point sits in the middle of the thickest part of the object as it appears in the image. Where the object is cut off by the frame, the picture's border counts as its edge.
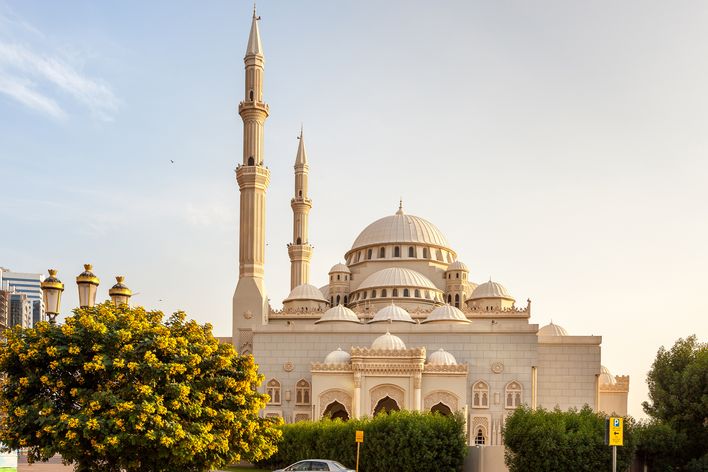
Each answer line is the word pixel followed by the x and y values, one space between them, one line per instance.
pixel 337 464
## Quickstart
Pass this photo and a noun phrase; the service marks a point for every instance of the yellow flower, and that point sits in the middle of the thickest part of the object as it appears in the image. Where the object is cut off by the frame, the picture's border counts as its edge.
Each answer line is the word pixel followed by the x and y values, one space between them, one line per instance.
pixel 120 363
pixel 20 412
pixel 112 440
pixel 52 351
pixel 92 424
pixel 74 350
pixel 44 379
pixel 67 329
pixel 94 405
pixel 24 381
pixel 73 423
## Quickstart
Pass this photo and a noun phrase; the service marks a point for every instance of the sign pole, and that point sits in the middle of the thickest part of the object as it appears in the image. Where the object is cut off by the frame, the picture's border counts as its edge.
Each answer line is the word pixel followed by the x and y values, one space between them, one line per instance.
pixel 614 458
pixel 357 456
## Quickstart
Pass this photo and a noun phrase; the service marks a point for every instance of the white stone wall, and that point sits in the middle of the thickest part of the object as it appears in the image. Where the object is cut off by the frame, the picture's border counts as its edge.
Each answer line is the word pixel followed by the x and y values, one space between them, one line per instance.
pixel 567 371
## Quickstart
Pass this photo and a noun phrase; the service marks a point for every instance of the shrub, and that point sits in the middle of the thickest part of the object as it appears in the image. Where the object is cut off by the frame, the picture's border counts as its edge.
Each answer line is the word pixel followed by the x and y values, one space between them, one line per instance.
pixel 397 441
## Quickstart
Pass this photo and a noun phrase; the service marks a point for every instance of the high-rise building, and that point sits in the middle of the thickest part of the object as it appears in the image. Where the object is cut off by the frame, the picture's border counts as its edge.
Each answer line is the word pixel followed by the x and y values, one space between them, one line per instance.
pixel 20 310
pixel 4 308
pixel 27 284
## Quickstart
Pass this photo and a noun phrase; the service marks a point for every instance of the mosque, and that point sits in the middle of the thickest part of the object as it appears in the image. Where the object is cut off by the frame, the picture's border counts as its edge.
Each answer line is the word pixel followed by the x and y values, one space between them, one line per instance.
pixel 401 323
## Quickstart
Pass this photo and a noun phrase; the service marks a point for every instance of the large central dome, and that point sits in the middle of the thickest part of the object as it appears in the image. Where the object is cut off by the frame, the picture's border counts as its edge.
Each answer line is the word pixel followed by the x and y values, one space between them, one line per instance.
pixel 400 228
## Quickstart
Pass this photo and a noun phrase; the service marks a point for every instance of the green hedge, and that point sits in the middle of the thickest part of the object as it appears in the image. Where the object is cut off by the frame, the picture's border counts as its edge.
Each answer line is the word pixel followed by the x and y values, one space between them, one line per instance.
pixel 561 441
pixel 398 441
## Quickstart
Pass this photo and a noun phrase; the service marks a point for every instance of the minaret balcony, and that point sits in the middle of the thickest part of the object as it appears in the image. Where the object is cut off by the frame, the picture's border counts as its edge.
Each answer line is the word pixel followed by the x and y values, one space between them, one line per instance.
pixel 303 200
pixel 262 106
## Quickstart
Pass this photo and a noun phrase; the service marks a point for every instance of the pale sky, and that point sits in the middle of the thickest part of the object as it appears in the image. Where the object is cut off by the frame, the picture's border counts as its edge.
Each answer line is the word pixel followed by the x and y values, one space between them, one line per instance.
pixel 561 146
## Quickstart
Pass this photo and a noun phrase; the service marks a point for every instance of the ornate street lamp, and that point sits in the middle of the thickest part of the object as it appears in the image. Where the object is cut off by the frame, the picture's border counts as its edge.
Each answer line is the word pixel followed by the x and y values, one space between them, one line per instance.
pixel 88 284
pixel 51 292
pixel 119 293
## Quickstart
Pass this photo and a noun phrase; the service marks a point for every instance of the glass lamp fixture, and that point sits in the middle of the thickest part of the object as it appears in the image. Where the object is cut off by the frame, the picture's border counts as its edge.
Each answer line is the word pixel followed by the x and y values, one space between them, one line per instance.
pixel 88 285
pixel 51 292
pixel 119 293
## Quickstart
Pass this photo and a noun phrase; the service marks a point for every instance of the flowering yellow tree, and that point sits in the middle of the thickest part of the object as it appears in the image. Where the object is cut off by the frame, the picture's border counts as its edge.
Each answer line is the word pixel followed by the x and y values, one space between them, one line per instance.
pixel 116 388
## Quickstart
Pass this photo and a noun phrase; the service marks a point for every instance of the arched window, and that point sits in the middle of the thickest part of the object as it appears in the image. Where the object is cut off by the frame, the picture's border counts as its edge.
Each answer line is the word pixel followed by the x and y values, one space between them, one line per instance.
pixel 425 253
pixel 273 391
pixel 369 253
pixel 479 438
pixel 373 294
pixel 363 295
pixel 457 300
pixel 331 301
pixel 417 293
pixel 397 251
pixel 384 293
pixel 338 276
pixel 250 161
pixel 250 95
pixel 382 253
pixel 457 276
pixel 299 193
pixel 480 395
pixel 406 292
pixel 395 292
pixel 449 299
pixel 411 251
pixel 302 392
pixel 299 240
pixel 345 299
pixel 438 255
pixel 513 395
pixel 338 299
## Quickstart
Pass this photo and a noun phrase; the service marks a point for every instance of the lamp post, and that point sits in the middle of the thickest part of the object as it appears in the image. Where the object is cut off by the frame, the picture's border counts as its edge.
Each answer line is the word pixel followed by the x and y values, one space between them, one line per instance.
pixel 88 285
pixel 51 292
pixel 119 293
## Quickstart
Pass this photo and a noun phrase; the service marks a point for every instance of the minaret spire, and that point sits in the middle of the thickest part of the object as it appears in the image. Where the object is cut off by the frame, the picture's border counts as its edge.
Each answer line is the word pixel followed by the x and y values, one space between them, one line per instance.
pixel 300 250
pixel 250 302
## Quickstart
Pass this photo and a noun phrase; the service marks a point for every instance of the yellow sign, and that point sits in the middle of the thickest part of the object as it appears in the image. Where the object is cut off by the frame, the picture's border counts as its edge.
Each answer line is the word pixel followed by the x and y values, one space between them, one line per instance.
pixel 616 431
pixel 360 436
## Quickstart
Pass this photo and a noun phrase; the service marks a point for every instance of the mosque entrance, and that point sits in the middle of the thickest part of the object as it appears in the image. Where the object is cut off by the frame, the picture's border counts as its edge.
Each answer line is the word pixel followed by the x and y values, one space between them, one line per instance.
pixel 386 405
pixel 336 410
pixel 441 408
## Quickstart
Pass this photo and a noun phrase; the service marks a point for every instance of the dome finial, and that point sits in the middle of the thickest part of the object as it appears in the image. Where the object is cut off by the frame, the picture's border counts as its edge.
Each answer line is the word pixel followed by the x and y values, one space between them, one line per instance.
pixel 400 207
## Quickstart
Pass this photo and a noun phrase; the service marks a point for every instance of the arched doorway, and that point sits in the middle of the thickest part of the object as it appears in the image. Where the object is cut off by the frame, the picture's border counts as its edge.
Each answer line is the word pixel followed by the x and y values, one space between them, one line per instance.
pixel 441 408
pixel 336 410
pixel 386 405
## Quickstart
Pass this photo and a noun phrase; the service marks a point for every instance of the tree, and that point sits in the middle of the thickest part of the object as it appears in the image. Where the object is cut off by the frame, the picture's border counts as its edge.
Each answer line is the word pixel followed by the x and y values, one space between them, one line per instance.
pixel 678 394
pixel 116 388
pixel 559 441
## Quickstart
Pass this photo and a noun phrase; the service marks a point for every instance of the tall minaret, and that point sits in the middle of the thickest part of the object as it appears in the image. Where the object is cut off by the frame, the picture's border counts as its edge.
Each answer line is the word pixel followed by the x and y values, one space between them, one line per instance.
pixel 250 303
pixel 300 250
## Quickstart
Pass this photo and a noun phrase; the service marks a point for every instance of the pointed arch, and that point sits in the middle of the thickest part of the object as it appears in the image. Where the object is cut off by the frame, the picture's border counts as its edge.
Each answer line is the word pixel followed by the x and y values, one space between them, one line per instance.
pixel 480 394
pixel 302 392
pixel 273 391
pixel 513 395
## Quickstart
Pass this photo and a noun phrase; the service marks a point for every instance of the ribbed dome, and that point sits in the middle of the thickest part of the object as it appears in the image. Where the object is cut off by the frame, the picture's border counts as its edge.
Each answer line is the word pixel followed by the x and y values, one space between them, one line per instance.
pixel 392 312
pixel 606 377
pixel 552 330
pixel 442 357
pixel 396 277
pixel 339 268
pixel 306 292
pixel 446 313
pixel 338 357
pixel 490 290
pixel 388 342
pixel 400 228
pixel 457 265
pixel 338 313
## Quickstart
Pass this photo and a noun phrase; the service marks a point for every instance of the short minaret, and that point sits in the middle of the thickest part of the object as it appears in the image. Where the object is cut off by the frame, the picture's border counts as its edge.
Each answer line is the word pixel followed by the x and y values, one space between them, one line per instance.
pixel 300 250
pixel 250 302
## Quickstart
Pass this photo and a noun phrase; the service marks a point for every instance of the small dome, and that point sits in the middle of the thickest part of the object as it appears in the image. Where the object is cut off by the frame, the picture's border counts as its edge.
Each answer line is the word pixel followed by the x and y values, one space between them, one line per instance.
pixel 446 313
pixel 457 265
pixel 397 277
pixel 338 357
pixel 552 330
pixel 325 291
pixel 442 357
pixel 306 292
pixel 338 313
pixel 393 313
pixel 339 268
pixel 490 290
pixel 388 342
pixel 606 377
